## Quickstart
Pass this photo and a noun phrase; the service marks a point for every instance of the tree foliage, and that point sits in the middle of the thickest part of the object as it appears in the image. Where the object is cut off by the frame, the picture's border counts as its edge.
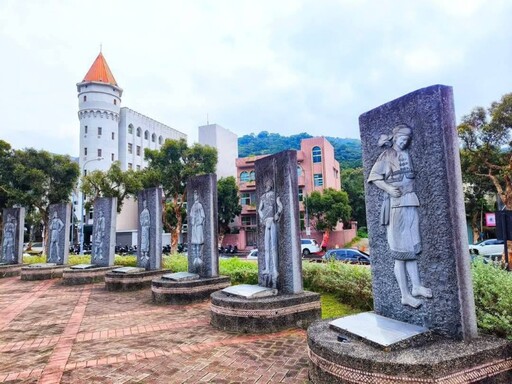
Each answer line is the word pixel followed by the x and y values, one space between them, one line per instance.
pixel 352 182
pixel 346 151
pixel 228 203
pixel 170 167
pixel 328 208
pixel 112 183
pixel 486 153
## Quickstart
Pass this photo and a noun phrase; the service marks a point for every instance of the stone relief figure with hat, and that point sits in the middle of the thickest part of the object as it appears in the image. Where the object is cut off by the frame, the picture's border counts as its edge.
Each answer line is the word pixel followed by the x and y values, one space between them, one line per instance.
pixel 393 173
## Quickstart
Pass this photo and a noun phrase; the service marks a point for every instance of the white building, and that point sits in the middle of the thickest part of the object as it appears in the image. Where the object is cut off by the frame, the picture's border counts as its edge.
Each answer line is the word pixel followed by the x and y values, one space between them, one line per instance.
pixel 110 133
pixel 226 143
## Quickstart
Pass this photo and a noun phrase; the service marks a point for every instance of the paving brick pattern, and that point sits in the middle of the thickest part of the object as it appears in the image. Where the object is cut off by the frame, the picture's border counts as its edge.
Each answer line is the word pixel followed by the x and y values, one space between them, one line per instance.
pixel 50 333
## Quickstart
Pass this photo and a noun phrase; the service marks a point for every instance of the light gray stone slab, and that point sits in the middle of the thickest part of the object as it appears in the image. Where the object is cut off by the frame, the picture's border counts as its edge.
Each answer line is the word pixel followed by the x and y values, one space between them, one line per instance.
pixel 149 237
pixel 11 247
pixel 416 216
pixel 377 329
pixel 279 252
pixel 202 233
pixel 42 265
pixel 59 223
pixel 128 270
pixel 83 266
pixel 180 276
pixel 104 231
pixel 248 291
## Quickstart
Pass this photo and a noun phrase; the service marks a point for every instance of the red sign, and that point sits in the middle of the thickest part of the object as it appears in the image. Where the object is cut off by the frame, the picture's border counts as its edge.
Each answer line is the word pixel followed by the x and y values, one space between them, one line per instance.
pixel 490 219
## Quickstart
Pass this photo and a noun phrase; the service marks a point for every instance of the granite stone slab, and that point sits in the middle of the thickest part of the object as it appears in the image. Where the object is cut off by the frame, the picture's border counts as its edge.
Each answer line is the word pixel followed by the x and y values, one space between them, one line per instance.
pixel 420 229
pixel 150 228
pixel 41 265
pixel 84 266
pixel 202 233
pixel 377 329
pixel 11 250
pixel 279 255
pixel 128 270
pixel 104 231
pixel 181 276
pixel 59 223
pixel 249 291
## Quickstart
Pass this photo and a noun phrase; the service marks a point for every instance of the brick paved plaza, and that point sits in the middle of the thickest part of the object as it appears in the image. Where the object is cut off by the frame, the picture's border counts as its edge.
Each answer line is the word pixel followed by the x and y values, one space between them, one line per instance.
pixel 51 333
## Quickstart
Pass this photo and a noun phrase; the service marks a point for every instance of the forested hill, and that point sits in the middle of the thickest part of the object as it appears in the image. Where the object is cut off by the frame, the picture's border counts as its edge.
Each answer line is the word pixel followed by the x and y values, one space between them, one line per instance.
pixel 346 151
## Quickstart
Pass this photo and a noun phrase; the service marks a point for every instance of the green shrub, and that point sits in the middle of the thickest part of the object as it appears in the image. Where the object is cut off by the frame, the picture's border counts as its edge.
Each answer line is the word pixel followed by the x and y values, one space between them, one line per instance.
pixel 362 233
pixel 493 298
pixel 351 284
pixel 175 262
pixel 240 271
pixel 33 259
pixel 332 307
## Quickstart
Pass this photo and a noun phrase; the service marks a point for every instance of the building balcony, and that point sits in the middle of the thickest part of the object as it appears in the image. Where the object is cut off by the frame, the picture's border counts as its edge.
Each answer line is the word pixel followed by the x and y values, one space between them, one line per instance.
pixel 248 209
pixel 247 186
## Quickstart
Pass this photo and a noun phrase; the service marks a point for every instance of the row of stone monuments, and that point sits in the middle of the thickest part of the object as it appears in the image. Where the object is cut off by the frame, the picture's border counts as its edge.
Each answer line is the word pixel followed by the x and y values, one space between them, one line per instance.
pixel 423 327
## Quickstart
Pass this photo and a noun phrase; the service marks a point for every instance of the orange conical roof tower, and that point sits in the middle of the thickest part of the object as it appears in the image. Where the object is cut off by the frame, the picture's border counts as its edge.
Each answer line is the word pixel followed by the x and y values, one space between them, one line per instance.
pixel 100 72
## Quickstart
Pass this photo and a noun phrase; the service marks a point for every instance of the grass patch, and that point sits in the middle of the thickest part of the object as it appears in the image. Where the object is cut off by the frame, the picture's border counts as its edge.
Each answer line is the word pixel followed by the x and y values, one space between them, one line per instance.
pixel 332 307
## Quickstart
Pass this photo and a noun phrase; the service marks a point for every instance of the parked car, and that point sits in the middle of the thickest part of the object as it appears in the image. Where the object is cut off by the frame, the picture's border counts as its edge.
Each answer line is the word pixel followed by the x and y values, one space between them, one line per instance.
pixel 253 255
pixel 309 246
pixel 489 247
pixel 348 255
pixel 35 249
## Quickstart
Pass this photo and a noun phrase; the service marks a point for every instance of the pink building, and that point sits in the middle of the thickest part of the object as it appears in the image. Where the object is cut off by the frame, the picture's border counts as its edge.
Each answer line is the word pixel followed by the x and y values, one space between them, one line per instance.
pixel 316 168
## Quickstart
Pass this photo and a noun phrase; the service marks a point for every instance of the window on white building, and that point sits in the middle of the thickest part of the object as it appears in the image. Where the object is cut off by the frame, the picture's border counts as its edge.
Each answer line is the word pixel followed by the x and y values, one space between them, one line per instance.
pixel 113 157
pixel 318 180
pixel 99 152
pixel 130 166
pixel 317 154
pixel 146 135
pixel 160 140
pixel 130 148
pixel 138 167
pixel 85 129
pixel 99 131
pixel 130 129
pixel 138 150
pixel 113 136
pixel 115 102
pixel 153 138
pixel 139 131
pixel 85 98
pixel 85 151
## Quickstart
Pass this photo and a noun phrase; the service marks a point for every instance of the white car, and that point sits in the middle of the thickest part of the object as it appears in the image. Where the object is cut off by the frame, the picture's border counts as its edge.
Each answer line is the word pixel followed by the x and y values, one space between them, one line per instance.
pixel 308 246
pixel 489 247
pixel 253 255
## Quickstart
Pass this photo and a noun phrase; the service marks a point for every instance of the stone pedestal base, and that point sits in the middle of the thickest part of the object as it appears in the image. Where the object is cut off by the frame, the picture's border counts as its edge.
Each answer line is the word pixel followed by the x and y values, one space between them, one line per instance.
pixel 10 270
pixel 131 281
pixel 84 276
pixel 42 272
pixel 188 291
pixel 485 360
pixel 264 315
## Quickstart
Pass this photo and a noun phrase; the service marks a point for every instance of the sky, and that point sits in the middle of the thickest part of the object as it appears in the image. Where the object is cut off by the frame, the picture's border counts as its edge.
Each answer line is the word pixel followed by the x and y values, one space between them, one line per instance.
pixel 282 66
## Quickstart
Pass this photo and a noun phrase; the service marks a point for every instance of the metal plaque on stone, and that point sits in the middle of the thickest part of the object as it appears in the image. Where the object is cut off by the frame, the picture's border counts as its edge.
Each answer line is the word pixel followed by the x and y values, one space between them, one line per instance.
pixel 104 231
pixel 128 270
pixel 248 291
pixel 84 266
pixel 415 213
pixel 203 256
pixel 279 251
pixel 12 235
pixel 42 265
pixel 150 228
pixel 180 276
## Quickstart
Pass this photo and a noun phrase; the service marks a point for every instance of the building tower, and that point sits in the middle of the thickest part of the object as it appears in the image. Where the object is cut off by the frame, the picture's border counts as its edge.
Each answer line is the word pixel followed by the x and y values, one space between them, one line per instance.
pixel 99 103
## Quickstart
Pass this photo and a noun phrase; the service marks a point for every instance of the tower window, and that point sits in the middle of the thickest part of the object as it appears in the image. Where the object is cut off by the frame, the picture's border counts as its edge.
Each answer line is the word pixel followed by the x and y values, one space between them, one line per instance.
pixel 130 148
pixel 85 129
pixel 85 98
pixel 113 158
pixel 115 102
pixel 99 152
pixel 138 150
pixel 130 129
pixel 318 180
pixel 99 131
pixel 317 155
pixel 85 151
pixel 113 136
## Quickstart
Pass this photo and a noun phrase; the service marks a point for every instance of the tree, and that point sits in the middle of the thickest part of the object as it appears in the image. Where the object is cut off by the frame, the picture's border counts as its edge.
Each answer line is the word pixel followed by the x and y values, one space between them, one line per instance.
pixel 228 206
pixel 40 178
pixel 112 183
pixel 170 167
pixel 486 152
pixel 352 182
pixel 328 208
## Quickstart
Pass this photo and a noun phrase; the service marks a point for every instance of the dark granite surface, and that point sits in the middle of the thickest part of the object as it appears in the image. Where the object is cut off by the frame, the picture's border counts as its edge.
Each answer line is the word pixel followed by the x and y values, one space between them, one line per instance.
pixel 11 251
pixel 152 197
pixel 104 231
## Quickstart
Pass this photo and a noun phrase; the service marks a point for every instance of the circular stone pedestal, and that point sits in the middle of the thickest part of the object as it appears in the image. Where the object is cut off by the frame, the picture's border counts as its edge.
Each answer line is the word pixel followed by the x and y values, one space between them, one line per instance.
pixel 131 281
pixel 264 315
pixel 10 270
pixel 188 291
pixel 42 271
pixel 484 360
pixel 72 276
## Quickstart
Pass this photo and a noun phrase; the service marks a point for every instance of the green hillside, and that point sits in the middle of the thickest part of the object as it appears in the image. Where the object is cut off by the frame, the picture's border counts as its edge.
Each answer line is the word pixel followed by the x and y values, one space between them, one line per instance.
pixel 346 151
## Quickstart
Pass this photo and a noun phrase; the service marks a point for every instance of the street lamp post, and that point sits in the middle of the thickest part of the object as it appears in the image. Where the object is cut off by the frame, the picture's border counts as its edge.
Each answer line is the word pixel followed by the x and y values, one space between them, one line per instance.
pixel 82 209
